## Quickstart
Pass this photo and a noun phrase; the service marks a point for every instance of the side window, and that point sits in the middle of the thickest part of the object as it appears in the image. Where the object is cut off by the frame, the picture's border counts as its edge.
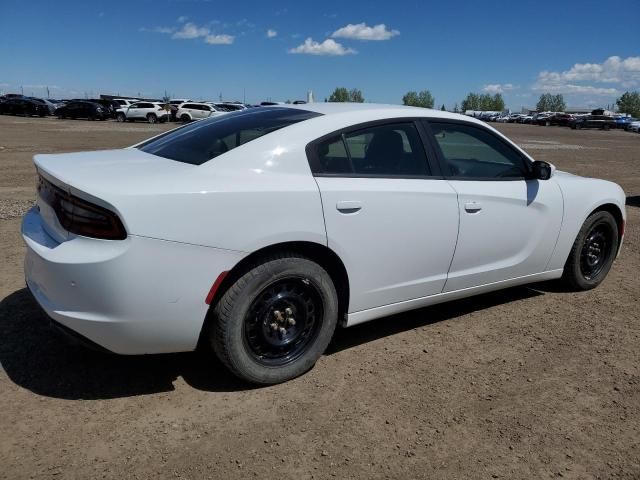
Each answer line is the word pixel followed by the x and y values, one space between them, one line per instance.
pixel 187 105
pixel 473 152
pixel 134 105
pixel 384 150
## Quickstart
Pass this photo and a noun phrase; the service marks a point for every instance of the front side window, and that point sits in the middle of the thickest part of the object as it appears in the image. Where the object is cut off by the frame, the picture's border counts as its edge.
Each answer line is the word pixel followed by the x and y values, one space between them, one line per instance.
pixel 384 150
pixel 201 141
pixel 473 152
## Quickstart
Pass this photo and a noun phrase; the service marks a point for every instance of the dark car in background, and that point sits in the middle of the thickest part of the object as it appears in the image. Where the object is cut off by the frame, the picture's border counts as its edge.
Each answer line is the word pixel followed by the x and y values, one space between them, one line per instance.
pixel 603 122
pixel 83 109
pixel 110 105
pixel 23 106
pixel 50 105
pixel 562 119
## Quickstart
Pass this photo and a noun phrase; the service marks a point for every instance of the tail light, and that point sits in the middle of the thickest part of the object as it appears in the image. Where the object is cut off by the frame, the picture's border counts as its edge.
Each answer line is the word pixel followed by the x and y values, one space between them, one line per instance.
pixel 79 216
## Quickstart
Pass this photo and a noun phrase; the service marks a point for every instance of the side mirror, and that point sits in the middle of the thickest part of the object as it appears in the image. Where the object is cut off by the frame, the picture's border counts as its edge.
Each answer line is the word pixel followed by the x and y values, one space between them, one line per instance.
pixel 542 170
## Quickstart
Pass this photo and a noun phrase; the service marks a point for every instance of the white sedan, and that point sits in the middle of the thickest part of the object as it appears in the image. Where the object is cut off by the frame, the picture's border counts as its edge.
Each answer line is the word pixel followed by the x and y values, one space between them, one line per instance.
pixel 260 231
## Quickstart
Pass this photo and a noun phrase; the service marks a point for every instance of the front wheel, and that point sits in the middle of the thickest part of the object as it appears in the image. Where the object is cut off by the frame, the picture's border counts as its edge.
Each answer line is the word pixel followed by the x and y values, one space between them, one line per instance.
pixel 120 117
pixel 276 320
pixel 593 252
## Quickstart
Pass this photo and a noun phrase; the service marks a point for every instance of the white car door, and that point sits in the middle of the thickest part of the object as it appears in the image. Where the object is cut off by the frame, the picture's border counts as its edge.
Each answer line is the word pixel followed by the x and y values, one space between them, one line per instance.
pixel 509 223
pixel 392 223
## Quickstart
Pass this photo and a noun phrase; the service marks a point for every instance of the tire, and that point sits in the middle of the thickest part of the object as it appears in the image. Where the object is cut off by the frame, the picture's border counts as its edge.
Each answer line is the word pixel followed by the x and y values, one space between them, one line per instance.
pixel 185 118
pixel 121 117
pixel 248 333
pixel 152 118
pixel 605 127
pixel 578 126
pixel 593 252
pixel 547 124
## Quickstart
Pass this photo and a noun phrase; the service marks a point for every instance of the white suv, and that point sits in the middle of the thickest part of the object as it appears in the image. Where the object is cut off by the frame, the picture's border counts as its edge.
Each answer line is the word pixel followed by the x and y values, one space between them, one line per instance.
pixel 150 111
pixel 124 102
pixel 189 111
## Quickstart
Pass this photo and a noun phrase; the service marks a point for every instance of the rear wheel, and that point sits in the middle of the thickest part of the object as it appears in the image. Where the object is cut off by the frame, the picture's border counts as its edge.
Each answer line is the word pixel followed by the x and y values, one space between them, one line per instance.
pixel 276 320
pixel 185 118
pixel 152 118
pixel 593 252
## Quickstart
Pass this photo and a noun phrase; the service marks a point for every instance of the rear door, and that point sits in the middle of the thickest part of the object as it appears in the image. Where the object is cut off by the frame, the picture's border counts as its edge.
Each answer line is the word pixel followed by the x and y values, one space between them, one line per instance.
pixel 509 223
pixel 388 214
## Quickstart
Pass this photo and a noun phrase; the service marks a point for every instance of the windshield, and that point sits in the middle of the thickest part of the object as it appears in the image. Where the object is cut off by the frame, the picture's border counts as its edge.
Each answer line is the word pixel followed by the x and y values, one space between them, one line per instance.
pixel 201 141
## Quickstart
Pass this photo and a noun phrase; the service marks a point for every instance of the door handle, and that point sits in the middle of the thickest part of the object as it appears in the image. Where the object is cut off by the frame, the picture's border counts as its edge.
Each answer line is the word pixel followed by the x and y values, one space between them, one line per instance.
pixel 350 206
pixel 473 207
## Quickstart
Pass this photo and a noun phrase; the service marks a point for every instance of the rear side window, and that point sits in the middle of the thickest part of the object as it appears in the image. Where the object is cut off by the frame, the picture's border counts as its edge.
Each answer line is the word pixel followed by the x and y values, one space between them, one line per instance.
pixel 201 141
pixel 384 150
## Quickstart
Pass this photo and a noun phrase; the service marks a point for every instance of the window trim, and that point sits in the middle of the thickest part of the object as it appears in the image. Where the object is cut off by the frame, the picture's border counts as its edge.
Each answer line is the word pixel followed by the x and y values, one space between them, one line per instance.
pixel 432 163
pixel 525 162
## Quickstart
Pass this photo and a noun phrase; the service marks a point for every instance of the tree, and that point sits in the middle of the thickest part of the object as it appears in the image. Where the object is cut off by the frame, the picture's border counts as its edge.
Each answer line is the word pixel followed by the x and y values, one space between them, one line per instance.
pixel 422 99
pixel 498 103
pixel 341 94
pixel 442 108
pixel 629 103
pixel 455 108
pixel 355 95
pixel 483 102
pixel 551 103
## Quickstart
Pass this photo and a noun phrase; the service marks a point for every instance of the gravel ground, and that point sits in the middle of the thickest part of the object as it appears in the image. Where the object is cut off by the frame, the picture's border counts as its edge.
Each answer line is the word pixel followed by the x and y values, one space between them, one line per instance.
pixel 530 382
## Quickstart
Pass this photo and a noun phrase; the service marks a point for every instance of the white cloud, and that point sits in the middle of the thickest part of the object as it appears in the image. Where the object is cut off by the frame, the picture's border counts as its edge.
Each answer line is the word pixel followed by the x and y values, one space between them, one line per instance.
pixel 615 71
pixel 361 31
pixel 219 39
pixel 190 31
pixel 271 33
pixel 328 47
pixel 182 18
pixel 498 88
pixel 166 30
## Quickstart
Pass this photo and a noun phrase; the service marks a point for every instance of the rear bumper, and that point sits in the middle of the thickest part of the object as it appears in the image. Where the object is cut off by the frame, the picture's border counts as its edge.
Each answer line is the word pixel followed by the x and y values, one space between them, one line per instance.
pixel 134 296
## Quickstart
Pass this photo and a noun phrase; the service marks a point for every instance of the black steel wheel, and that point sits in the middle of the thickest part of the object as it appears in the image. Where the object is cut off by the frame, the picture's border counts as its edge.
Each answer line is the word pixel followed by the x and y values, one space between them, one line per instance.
pixel 593 252
pixel 282 320
pixel 275 320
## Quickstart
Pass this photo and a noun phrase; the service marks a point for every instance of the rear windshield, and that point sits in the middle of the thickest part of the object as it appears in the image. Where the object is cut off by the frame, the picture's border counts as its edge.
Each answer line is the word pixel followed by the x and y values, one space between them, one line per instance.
pixel 201 141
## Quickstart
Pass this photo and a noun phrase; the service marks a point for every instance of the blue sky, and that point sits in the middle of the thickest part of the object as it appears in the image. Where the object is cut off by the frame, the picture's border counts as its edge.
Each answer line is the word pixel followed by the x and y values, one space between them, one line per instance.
pixel 587 50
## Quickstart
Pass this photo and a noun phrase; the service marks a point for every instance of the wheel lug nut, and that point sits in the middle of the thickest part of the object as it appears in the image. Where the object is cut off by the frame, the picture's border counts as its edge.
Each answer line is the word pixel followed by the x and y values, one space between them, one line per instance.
pixel 291 321
pixel 288 311
pixel 274 326
pixel 282 330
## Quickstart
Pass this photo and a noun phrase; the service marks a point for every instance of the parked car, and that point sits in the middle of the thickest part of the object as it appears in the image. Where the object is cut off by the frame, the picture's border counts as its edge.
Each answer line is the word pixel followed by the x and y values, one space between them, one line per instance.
pixel 50 105
pixel 124 102
pixel 82 109
pixel 634 126
pixel 503 118
pixel 553 119
pixel 187 112
pixel 260 232
pixel 602 122
pixel 110 106
pixel 525 119
pixel 175 104
pixel 623 121
pixel 23 106
pixel 148 111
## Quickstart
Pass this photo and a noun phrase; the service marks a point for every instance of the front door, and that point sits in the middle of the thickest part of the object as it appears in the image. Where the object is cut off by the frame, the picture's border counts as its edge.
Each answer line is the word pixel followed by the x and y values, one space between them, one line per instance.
pixel 509 223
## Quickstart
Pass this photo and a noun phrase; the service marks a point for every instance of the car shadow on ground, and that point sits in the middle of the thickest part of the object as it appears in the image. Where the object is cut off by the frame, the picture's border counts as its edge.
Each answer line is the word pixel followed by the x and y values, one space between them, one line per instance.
pixel 37 357
pixel 633 201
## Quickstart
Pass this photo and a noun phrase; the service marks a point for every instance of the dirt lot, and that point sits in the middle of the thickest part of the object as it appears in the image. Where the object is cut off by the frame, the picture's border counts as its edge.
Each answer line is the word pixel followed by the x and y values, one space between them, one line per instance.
pixel 525 383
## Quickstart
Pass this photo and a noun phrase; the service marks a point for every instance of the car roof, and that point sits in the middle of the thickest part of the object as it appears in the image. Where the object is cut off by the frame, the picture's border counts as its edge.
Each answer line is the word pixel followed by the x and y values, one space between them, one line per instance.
pixel 376 110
